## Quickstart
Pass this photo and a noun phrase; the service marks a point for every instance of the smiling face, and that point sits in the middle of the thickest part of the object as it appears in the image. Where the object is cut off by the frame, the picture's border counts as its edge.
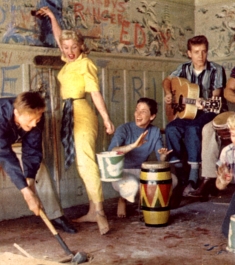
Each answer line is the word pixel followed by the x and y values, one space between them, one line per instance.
pixel 143 116
pixel 26 120
pixel 71 49
pixel 198 55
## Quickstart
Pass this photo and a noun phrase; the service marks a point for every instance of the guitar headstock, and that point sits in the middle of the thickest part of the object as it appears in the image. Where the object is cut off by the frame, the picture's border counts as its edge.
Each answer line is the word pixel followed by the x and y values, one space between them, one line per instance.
pixel 213 104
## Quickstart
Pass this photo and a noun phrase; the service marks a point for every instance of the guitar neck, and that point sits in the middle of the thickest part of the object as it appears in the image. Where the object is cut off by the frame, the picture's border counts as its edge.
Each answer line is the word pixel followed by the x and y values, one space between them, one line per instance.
pixel 211 105
pixel 181 88
pixel 190 101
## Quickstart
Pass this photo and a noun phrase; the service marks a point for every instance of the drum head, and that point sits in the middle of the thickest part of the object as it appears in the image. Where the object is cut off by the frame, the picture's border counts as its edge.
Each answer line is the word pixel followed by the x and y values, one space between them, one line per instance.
pixel 220 121
pixel 155 164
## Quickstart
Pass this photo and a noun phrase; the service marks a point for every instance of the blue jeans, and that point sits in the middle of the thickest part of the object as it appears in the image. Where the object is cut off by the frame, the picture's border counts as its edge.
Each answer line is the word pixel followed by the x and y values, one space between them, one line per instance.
pixel 186 134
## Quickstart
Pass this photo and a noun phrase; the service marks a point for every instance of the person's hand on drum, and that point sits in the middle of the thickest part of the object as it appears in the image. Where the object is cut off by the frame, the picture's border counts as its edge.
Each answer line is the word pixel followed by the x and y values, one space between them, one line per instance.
pixel 163 153
pixel 224 176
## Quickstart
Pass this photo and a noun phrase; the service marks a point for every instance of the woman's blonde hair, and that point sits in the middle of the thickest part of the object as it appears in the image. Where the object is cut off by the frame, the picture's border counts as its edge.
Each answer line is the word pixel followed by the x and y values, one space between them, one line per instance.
pixel 73 35
pixel 231 122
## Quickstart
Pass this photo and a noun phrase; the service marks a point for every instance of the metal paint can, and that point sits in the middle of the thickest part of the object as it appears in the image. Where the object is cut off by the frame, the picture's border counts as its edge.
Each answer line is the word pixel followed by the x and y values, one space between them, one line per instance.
pixel 110 165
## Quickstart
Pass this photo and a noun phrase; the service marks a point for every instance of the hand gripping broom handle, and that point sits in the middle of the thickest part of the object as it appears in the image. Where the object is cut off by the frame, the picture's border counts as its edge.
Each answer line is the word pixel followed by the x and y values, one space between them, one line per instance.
pixel 54 232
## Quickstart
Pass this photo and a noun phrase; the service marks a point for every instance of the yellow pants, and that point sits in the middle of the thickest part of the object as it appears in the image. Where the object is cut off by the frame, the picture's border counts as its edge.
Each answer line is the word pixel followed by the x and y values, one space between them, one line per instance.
pixel 85 135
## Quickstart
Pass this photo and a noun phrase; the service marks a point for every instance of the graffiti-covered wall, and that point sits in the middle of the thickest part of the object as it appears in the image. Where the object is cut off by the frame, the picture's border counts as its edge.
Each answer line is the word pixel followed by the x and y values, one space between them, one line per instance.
pixel 144 28
pixel 218 23
pixel 134 43
pixel 216 20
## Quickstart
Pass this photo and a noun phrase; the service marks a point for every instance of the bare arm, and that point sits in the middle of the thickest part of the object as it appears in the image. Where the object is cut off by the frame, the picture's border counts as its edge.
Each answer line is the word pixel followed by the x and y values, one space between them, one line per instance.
pixel 229 91
pixel 127 148
pixel 45 11
pixel 101 107
pixel 32 200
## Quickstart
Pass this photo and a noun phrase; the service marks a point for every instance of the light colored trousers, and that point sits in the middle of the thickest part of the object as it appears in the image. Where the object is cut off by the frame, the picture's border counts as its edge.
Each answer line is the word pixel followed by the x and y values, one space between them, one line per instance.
pixel 210 150
pixel 128 185
pixel 44 188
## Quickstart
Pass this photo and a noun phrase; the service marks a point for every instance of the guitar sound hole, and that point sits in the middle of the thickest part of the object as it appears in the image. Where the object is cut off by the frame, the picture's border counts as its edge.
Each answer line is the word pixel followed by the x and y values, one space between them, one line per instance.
pixel 181 106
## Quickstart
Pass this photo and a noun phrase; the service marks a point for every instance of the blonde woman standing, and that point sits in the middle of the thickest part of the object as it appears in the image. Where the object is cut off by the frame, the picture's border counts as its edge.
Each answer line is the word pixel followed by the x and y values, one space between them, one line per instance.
pixel 78 77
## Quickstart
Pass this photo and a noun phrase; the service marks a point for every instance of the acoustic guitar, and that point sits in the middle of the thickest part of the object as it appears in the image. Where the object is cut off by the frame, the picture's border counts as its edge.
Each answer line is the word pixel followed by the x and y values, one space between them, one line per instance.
pixel 184 95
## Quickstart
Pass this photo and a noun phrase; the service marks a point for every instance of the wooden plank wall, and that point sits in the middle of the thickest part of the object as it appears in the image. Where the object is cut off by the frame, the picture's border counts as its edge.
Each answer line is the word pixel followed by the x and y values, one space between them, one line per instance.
pixel 123 80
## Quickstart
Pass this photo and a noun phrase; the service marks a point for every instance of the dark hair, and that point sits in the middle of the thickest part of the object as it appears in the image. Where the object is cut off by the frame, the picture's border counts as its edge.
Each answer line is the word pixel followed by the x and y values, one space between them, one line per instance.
pixel 151 103
pixel 30 101
pixel 197 40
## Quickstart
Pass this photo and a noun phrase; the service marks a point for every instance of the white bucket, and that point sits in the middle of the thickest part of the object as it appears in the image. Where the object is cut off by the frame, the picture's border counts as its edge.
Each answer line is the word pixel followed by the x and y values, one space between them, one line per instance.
pixel 110 165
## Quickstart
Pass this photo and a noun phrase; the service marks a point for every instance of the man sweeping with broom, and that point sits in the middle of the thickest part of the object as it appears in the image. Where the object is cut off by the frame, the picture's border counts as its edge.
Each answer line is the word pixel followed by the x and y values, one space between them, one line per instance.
pixel 21 121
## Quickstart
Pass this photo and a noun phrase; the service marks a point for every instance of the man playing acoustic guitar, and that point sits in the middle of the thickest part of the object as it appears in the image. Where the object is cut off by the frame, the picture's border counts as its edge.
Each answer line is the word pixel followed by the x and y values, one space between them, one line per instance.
pixel 182 133
pixel 213 141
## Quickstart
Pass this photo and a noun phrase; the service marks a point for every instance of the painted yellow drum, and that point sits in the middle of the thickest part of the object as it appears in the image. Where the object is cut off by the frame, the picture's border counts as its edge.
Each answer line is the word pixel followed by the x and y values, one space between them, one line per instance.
pixel 155 192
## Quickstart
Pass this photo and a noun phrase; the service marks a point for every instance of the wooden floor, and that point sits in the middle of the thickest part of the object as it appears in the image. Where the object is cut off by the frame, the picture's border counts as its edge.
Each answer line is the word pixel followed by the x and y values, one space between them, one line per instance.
pixel 193 237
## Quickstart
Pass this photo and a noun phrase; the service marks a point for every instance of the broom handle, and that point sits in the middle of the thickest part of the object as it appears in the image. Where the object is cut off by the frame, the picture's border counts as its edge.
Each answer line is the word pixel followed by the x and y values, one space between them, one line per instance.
pixel 48 223
pixel 54 232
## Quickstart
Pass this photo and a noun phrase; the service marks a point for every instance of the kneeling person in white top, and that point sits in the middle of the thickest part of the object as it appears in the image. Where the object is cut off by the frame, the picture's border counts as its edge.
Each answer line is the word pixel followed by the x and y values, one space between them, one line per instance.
pixel 137 140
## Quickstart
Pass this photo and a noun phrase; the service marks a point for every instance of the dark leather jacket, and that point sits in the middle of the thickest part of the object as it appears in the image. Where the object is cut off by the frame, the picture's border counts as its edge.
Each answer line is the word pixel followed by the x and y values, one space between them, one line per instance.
pixel 31 146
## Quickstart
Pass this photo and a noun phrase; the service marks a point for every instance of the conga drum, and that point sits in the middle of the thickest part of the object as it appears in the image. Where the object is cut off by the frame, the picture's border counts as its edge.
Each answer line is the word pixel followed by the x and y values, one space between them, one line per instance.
pixel 221 128
pixel 155 192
